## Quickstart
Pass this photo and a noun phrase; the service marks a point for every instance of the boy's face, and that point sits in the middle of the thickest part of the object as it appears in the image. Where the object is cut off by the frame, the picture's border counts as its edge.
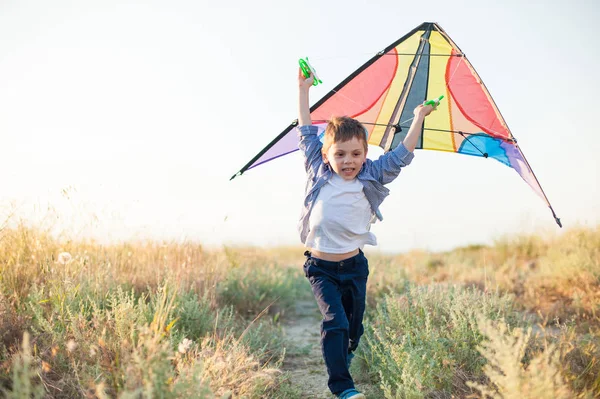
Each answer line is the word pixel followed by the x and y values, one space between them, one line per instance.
pixel 346 158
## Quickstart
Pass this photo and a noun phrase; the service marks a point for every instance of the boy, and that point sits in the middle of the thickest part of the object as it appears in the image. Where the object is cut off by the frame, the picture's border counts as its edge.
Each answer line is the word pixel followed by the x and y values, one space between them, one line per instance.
pixel 343 192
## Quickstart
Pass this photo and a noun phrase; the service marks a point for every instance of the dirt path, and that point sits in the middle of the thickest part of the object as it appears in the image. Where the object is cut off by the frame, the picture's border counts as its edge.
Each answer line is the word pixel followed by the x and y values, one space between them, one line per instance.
pixel 305 362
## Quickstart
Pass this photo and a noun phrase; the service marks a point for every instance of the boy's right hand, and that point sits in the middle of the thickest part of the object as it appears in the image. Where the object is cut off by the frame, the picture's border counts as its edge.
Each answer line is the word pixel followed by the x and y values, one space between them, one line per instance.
pixel 304 83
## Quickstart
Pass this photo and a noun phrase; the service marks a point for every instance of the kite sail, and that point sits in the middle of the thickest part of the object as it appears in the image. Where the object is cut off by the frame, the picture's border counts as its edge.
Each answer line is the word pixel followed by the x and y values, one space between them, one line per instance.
pixel 383 92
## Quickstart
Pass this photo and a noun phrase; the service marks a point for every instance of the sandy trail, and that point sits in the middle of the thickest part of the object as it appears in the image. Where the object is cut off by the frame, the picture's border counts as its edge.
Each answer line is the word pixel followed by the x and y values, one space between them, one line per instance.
pixel 305 364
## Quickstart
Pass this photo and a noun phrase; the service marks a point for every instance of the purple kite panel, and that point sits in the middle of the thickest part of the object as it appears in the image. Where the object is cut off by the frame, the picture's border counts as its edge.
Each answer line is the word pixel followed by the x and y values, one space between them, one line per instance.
pixel 287 144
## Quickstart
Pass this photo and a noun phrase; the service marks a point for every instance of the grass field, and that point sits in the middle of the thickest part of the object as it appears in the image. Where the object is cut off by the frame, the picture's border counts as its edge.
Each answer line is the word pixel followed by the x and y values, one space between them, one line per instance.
pixel 520 318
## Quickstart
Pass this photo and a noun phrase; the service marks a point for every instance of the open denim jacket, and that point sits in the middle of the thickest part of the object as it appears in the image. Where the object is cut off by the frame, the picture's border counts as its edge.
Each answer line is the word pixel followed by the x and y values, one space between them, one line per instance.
pixel 373 175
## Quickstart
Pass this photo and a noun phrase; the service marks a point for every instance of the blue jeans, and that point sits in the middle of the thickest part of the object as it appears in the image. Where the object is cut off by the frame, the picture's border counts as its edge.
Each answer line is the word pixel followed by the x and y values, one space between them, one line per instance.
pixel 340 290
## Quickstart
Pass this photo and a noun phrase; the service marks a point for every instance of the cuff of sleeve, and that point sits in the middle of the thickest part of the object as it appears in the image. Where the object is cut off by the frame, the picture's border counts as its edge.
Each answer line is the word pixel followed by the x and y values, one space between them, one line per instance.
pixel 306 130
pixel 404 155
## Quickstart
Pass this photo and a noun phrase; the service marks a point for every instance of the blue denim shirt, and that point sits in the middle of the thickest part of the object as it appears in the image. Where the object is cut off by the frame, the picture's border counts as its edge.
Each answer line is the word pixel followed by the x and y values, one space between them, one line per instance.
pixel 373 175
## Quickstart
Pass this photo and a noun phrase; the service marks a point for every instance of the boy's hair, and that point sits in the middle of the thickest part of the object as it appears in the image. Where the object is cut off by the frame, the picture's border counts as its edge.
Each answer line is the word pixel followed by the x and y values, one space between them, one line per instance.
pixel 343 128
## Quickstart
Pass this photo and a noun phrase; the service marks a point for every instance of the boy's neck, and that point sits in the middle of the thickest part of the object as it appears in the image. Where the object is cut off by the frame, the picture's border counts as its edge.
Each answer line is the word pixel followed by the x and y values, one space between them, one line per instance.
pixel 337 176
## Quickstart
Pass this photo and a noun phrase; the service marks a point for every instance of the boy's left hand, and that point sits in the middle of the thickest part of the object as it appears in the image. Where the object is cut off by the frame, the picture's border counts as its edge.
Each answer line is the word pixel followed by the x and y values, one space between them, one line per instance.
pixel 423 110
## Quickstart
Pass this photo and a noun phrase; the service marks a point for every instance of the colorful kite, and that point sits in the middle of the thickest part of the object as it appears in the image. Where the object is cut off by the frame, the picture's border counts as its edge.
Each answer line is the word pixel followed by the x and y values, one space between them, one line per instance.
pixel 383 92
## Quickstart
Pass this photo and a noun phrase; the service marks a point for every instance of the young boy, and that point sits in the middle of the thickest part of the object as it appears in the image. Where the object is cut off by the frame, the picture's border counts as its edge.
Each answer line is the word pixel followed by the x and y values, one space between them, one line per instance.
pixel 343 192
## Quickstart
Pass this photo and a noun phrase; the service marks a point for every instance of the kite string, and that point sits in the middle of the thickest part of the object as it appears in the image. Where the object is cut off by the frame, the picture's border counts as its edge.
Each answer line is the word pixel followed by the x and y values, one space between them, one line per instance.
pixel 348 98
pixel 353 55
pixel 453 73
pixel 447 83
pixel 370 53
pixel 452 77
pixel 362 105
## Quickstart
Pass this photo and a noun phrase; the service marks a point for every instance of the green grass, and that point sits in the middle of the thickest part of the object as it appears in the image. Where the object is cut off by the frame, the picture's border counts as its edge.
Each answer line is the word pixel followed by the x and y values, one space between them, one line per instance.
pixel 424 340
pixel 140 319
pixel 170 320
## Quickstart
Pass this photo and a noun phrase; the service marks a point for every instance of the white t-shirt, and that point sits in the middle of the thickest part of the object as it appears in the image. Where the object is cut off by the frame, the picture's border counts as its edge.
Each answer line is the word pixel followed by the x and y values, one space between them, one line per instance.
pixel 341 218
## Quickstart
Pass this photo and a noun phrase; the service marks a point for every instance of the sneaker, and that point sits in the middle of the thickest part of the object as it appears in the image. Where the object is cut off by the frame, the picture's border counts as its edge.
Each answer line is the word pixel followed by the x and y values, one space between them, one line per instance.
pixel 349 359
pixel 350 394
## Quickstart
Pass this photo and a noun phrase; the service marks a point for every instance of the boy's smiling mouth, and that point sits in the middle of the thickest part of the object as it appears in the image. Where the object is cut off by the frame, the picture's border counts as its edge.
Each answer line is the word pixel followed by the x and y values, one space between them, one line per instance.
pixel 348 171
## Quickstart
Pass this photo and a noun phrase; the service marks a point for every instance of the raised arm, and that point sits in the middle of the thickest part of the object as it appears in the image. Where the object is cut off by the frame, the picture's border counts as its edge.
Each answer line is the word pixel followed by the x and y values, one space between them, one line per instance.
pixel 309 145
pixel 412 137
pixel 304 85
pixel 387 167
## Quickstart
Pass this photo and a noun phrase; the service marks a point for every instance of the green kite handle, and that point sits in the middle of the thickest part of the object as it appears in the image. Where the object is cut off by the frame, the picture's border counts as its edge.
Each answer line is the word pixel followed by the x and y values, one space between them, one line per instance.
pixel 307 70
pixel 434 103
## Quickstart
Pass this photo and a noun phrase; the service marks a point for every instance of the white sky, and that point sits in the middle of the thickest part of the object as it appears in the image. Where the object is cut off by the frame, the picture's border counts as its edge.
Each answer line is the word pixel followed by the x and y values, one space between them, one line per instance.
pixel 127 119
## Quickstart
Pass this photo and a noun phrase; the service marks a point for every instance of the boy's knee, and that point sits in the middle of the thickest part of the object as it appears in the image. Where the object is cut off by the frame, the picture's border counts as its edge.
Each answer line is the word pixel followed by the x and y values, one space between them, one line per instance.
pixel 336 323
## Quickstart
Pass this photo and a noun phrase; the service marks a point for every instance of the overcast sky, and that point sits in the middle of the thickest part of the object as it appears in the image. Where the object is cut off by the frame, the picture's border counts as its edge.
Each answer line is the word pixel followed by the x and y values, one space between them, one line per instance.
pixel 124 120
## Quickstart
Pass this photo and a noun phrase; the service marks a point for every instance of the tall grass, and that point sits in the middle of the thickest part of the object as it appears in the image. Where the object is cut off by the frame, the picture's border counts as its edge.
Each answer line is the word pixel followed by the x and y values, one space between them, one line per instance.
pixel 139 319
pixel 170 320
pixel 24 382
pixel 433 335
pixel 512 372
pixel 556 276
pixel 424 340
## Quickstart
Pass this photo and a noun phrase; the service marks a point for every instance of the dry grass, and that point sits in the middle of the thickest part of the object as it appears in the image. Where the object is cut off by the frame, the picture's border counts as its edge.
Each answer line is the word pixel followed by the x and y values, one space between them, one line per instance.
pixel 167 319
pixel 506 372
pixel 552 282
pixel 557 276
pixel 140 319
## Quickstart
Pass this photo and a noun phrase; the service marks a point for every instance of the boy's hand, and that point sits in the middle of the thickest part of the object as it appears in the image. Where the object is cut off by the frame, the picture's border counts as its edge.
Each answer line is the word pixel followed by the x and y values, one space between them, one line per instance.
pixel 304 83
pixel 423 110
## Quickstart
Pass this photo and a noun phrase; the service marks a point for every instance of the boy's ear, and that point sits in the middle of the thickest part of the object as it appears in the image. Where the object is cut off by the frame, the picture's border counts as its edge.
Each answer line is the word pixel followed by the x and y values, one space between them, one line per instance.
pixel 325 160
